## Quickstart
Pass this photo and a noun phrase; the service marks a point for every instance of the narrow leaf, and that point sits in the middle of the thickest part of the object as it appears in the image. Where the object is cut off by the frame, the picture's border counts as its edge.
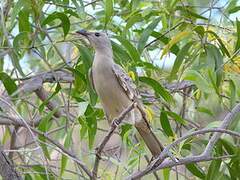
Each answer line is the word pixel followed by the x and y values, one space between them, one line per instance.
pixel 24 24
pixel 166 173
pixel 158 88
pixel 233 10
pixel 67 144
pixel 222 46
pixel 130 48
pixel 108 11
pixel 175 40
pixel 195 171
pixel 166 124
pixel 17 8
pixel 146 33
pixel 213 170
pixel 174 49
pixel 179 59
pixel 199 80
pixel 238 35
pixel 61 16
pixel 205 110
pixel 44 125
pixel 8 83
pixel 213 54
pixel 21 40
pixel 176 117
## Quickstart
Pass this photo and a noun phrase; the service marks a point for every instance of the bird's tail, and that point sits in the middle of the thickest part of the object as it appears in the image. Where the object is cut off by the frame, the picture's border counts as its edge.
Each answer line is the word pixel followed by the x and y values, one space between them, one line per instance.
pixel 149 138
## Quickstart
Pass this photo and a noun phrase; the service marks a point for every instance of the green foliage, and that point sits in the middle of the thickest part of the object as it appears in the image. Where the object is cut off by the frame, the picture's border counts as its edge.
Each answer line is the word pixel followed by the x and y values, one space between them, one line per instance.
pixel 61 16
pixel 8 83
pixel 187 40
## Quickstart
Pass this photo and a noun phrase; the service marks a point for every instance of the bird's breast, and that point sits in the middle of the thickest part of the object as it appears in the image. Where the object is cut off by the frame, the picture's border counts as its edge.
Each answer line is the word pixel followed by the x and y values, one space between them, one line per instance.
pixel 112 96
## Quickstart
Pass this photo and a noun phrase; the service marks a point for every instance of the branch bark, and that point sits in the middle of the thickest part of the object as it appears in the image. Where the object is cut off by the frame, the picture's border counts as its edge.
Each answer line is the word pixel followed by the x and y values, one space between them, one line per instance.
pixel 159 163
pixel 114 125
pixel 7 169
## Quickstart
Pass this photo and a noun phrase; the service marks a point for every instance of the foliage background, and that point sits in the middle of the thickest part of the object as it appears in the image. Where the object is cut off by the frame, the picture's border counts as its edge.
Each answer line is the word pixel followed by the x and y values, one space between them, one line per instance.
pixel 43 73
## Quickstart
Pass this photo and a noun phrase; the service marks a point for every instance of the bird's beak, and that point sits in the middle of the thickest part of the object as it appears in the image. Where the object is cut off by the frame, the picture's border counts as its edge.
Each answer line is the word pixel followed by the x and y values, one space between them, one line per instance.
pixel 83 32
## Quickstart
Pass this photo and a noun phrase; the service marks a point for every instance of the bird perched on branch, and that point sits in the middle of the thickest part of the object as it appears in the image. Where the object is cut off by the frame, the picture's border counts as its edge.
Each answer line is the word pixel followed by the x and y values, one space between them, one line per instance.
pixel 115 88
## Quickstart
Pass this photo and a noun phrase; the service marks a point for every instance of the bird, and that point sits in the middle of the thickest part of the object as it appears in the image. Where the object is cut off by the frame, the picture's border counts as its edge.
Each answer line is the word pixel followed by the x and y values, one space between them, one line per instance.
pixel 115 88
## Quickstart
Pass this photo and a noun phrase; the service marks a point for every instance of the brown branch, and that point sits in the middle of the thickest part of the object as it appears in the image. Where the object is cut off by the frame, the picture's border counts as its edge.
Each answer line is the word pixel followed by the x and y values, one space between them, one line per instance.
pixel 43 95
pixel 63 149
pixel 203 157
pixel 114 125
pixel 7 169
pixel 187 160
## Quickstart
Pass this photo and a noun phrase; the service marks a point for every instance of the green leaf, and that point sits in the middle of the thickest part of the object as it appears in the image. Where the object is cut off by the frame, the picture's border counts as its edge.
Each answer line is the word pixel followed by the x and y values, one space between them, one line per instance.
pixel 8 83
pixel 42 172
pixel 213 80
pixel 86 55
pixel 213 170
pixel 132 51
pixel 79 80
pixel 213 54
pixel 124 129
pixel 24 24
pixel 159 90
pixel 23 39
pixel 166 124
pixel 222 46
pixel 232 89
pixel 62 17
pixel 174 40
pixel 200 30
pixel 87 59
pixel 228 146
pixel 92 125
pixel 80 9
pixel 17 8
pixel 179 59
pixel 238 35
pixel 44 125
pixel 108 11
pixel 146 33
pixel 199 80
pixel 120 54
pixel 132 20
pixel 174 49
pixel 232 4
pixel 176 117
pixel 166 173
pixel 205 110
pixel 67 143
pixel 195 171
pixel 84 127
pixel 27 177
pixel 57 89
pixel 233 10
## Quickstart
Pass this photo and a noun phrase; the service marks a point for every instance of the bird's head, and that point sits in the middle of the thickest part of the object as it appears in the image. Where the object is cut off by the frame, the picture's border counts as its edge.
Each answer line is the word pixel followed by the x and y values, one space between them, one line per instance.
pixel 98 40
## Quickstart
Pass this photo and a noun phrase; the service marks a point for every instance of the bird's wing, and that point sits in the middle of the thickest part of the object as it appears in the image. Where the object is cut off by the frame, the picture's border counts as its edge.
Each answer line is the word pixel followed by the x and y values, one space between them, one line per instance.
pixel 90 77
pixel 125 81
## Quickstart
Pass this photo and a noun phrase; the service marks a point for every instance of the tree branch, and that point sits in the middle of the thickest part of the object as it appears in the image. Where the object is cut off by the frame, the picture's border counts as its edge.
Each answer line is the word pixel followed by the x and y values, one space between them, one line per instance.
pixel 205 156
pixel 7 170
pixel 114 125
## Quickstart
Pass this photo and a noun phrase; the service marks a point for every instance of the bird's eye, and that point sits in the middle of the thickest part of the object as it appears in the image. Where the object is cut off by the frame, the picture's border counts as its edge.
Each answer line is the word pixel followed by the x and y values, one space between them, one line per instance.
pixel 97 34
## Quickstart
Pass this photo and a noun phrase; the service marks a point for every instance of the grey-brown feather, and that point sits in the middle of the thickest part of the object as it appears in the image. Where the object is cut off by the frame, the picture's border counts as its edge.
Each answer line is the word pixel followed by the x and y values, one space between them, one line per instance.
pixel 125 81
pixel 90 78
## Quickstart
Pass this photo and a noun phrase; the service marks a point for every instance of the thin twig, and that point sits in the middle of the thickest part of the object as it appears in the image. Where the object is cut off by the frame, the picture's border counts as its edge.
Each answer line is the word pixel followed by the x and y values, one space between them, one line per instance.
pixel 114 125
pixel 205 156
